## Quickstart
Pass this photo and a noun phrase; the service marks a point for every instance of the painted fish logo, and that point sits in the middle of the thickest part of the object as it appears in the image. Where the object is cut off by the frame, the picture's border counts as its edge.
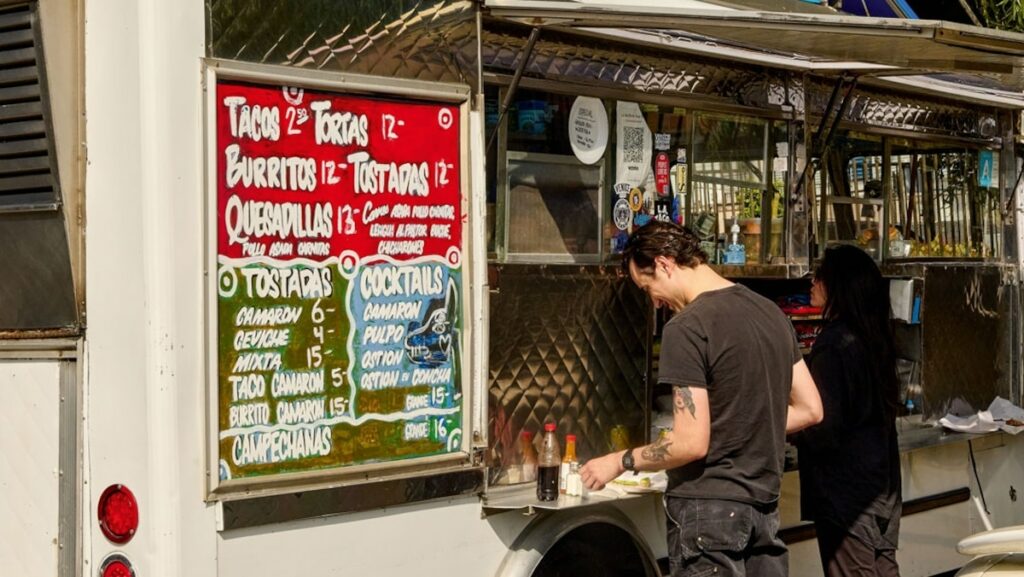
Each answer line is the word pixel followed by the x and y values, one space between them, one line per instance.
pixel 429 342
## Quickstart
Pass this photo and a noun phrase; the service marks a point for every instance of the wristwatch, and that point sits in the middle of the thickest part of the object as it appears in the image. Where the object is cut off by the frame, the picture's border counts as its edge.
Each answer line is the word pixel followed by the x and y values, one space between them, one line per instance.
pixel 627 461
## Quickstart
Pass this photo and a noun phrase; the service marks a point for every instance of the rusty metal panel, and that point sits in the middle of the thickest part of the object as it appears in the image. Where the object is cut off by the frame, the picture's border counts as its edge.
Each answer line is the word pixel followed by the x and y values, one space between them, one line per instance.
pixel 568 345
pixel 396 38
pixel 967 316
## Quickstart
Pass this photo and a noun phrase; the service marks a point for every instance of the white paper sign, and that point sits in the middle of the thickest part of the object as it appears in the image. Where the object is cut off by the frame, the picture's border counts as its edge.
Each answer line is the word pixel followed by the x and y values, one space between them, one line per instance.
pixel 634 144
pixel 588 129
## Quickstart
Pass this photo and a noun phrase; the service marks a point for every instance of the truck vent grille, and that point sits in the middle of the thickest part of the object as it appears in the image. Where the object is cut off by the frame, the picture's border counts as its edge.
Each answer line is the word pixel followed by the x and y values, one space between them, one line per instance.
pixel 27 170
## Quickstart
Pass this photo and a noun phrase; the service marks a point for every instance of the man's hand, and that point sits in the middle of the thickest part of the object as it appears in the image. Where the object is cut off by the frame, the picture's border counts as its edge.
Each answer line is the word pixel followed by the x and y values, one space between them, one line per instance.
pixel 599 471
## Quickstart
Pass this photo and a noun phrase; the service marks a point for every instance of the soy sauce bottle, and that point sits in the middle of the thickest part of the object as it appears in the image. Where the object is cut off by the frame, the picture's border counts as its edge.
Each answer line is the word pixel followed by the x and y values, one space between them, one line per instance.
pixel 548 464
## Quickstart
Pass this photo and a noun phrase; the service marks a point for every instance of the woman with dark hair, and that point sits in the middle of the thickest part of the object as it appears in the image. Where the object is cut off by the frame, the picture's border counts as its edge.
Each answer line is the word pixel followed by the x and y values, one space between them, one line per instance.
pixel 850 464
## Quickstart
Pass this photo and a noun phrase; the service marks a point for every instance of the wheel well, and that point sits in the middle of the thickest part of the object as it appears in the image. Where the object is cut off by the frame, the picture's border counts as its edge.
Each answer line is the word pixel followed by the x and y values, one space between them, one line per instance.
pixel 597 550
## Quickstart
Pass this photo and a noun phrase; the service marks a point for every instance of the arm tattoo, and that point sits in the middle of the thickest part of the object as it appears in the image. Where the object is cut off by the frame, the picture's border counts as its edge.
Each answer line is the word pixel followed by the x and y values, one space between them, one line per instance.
pixel 656 452
pixel 684 400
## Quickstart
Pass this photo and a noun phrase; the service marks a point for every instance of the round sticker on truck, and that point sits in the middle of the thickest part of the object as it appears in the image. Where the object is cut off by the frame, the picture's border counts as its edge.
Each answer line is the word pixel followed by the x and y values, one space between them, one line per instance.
pixel 621 215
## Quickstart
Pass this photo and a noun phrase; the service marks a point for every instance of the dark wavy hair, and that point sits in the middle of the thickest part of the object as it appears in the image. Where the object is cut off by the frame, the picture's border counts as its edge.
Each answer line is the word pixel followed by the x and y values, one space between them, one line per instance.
pixel 858 296
pixel 658 238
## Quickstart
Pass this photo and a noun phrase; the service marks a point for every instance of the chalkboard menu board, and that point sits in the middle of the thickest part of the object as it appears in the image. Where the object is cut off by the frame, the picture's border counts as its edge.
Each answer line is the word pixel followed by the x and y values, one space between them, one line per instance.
pixel 338 223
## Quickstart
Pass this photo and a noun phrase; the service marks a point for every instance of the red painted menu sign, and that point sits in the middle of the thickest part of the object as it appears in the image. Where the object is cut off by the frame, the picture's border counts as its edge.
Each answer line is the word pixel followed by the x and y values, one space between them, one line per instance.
pixel 338 278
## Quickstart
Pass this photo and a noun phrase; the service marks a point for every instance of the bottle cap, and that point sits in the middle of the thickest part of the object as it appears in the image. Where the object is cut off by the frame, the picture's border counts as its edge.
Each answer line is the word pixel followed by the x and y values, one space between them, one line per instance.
pixel 570 438
pixel 549 426
pixel 526 435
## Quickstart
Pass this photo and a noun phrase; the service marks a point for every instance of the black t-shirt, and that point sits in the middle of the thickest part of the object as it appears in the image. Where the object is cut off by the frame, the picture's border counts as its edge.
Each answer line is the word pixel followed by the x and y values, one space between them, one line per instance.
pixel 850 463
pixel 741 348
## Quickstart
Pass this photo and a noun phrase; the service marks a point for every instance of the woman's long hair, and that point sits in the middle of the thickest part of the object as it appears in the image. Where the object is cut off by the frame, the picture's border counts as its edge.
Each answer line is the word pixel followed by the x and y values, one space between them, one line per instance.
pixel 857 295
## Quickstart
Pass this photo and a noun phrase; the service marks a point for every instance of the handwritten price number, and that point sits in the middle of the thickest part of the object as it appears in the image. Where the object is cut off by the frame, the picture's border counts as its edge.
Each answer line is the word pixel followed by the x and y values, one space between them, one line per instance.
pixel 296 116
pixel 388 122
pixel 328 167
pixel 316 314
pixel 441 428
pixel 339 406
pixel 441 173
pixel 345 216
pixel 314 358
pixel 438 396
pixel 337 377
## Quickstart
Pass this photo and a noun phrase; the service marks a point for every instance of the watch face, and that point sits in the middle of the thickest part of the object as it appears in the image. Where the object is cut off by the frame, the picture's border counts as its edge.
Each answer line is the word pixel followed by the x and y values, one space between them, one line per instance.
pixel 627 460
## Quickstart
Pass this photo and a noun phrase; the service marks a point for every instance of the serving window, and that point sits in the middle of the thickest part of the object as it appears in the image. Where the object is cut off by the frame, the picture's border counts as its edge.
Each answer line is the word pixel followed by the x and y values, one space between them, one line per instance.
pixel 554 207
pixel 909 199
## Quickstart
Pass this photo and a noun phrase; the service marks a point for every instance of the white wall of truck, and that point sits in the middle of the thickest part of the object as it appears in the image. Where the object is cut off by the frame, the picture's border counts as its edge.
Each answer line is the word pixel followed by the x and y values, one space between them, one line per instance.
pixel 136 147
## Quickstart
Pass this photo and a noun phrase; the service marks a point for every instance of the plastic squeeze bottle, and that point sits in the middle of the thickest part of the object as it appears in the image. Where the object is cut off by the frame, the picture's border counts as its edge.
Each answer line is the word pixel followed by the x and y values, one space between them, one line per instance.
pixel 548 463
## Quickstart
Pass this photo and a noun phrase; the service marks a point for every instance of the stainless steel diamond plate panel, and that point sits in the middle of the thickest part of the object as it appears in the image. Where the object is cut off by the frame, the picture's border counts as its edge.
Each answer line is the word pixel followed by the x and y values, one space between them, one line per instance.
pixel 580 59
pixel 394 38
pixel 568 345
pixel 905 112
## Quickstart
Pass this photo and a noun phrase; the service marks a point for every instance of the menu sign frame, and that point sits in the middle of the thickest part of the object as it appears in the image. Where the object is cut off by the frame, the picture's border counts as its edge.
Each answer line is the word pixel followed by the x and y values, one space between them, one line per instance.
pixel 337 278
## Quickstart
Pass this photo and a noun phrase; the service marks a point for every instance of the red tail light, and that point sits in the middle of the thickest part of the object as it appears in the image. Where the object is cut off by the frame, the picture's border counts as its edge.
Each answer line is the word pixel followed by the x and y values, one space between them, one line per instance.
pixel 116 566
pixel 118 514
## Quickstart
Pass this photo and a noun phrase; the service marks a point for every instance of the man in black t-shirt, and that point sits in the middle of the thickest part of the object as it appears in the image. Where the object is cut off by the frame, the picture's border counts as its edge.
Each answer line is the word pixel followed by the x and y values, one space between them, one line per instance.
pixel 739 385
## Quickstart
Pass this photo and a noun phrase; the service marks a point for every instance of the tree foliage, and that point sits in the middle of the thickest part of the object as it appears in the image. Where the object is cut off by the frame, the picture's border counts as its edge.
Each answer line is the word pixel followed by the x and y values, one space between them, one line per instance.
pixel 1000 14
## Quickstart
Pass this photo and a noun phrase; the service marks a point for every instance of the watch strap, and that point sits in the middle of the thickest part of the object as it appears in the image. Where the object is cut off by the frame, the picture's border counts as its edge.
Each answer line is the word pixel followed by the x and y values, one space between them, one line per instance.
pixel 627 461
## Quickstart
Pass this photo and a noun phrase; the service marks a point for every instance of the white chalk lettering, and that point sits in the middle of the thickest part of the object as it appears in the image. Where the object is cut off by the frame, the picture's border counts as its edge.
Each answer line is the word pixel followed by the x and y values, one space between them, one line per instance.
pixel 314 249
pixel 261 339
pixel 387 281
pixel 446 211
pixel 378 381
pixel 253 218
pixel 248 415
pixel 372 177
pixel 279 446
pixel 406 230
pixel 281 249
pixel 380 359
pixel 399 247
pixel 253 249
pixel 400 211
pixel 370 214
pixel 261 317
pixel 432 376
pixel 340 128
pixel 413 431
pixel 275 283
pixel 383 334
pixel 413 402
pixel 250 362
pixel 293 173
pixel 300 411
pixel 440 231
pixel 378 230
pixel 247 387
pixel 255 122
pixel 394 311
pixel 291 383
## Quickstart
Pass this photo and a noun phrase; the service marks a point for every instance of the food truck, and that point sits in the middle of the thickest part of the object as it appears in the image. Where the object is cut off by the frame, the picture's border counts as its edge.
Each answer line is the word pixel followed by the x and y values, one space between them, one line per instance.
pixel 287 282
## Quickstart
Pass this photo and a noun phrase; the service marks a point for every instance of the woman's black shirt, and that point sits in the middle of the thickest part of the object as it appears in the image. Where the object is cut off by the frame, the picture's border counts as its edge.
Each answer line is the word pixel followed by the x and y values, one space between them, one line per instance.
pixel 849 463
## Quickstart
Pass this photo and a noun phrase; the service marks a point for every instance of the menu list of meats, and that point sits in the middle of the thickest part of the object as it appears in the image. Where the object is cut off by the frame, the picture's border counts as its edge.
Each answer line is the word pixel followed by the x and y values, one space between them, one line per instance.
pixel 338 279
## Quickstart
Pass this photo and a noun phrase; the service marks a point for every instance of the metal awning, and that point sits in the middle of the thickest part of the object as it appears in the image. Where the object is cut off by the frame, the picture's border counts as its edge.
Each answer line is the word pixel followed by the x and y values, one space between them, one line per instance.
pixel 896 46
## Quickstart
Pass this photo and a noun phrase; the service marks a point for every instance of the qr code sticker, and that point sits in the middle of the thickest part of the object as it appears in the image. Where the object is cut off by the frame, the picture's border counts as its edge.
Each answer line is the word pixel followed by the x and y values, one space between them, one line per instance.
pixel 633 144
